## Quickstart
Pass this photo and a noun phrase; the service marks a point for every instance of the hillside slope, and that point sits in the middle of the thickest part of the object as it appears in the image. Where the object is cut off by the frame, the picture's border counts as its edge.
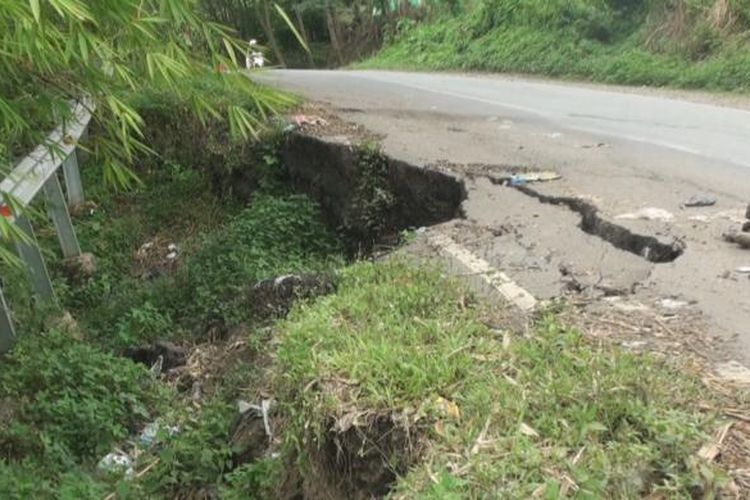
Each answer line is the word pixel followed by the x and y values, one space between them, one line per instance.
pixel 680 43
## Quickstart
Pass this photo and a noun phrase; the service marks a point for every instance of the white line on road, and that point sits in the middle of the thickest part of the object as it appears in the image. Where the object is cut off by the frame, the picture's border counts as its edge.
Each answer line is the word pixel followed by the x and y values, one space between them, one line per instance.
pixel 482 275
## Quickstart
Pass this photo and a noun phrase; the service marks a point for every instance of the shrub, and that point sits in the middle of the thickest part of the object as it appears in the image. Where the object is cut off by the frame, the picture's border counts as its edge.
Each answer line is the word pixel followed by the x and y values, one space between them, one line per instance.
pixel 72 401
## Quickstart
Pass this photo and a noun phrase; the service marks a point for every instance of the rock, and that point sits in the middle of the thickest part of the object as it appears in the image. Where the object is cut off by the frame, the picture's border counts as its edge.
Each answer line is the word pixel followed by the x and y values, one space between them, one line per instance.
pixel 701 200
pixel 171 354
pixel 276 295
pixel 741 239
pixel 81 268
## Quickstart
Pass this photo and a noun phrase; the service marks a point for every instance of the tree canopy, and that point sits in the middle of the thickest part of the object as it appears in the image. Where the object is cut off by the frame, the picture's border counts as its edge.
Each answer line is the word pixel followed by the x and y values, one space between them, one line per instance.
pixel 58 51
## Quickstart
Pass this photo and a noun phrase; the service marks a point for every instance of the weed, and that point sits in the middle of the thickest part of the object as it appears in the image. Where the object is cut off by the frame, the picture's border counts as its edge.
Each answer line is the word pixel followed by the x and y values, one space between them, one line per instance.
pixel 545 414
pixel 72 401
pixel 256 480
pixel 274 236
pixel 373 201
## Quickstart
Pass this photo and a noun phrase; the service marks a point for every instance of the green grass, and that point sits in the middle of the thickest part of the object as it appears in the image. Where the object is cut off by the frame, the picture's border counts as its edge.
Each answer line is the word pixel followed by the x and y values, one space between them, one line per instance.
pixel 495 420
pixel 584 39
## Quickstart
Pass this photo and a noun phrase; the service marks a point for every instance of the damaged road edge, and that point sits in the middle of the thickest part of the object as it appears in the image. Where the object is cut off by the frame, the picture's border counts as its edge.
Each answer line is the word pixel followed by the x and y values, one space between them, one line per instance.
pixel 647 247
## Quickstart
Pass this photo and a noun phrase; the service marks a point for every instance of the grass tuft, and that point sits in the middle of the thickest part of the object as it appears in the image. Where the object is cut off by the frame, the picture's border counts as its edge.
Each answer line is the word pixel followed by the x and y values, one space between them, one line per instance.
pixel 549 413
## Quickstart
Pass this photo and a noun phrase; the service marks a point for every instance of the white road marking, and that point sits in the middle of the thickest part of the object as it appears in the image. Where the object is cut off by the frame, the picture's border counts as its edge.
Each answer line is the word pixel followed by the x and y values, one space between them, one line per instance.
pixel 482 275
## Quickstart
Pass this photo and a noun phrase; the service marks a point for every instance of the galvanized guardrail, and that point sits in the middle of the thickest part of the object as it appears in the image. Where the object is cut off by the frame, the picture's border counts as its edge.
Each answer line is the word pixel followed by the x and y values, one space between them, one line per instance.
pixel 39 172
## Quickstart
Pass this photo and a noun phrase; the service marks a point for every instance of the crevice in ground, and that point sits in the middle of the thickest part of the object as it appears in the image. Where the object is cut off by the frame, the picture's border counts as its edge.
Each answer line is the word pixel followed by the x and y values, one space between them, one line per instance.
pixel 366 195
pixel 648 247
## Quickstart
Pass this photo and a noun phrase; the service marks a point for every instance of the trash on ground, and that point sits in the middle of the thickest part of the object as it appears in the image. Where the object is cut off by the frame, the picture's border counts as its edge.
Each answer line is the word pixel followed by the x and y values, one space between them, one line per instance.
pixel 746 227
pixel 261 410
pixel 149 434
pixel 701 200
pixel 672 303
pixel 747 212
pixel 146 246
pixel 649 213
pixel 302 120
pixel 743 270
pixel 157 367
pixel 116 462
pixel 527 430
pixel 525 178
pixel 741 239
pixel 594 146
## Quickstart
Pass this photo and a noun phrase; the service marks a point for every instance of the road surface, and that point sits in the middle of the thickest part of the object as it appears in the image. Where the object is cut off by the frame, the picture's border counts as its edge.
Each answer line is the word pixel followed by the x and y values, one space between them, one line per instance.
pixel 621 151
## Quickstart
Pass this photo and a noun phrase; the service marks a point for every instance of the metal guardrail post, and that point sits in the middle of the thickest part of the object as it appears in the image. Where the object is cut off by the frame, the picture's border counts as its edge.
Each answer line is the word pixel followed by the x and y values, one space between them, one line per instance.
pixel 73 185
pixel 7 333
pixel 31 254
pixel 58 212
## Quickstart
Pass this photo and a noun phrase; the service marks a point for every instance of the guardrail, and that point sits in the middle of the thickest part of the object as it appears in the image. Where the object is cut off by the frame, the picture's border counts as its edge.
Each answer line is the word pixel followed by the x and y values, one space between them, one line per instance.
pixel 37 172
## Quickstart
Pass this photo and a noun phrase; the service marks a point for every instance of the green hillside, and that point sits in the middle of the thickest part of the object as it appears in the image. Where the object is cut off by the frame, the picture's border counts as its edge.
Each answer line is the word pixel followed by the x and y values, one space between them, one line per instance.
pixel 680 43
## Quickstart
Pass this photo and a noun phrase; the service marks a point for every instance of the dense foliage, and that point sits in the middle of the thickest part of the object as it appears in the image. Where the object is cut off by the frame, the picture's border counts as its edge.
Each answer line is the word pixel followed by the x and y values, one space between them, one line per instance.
pixel 684 43
pixel 337 32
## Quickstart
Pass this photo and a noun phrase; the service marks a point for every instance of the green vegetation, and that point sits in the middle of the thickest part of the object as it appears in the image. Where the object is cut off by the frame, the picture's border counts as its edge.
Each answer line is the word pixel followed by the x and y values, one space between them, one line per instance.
pixel 397 367
pixel 476 416
pixel 66 403
pixel 68 397
pixel 680 43
pixel 337 32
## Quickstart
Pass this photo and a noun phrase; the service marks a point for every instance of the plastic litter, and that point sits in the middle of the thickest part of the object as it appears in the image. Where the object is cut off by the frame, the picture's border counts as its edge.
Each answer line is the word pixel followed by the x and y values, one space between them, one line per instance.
pixel 116 462
pixel 528 177
pixel 302 120
pixel 261 410
pixel 149 434
pixel 649 213
pixel 673 304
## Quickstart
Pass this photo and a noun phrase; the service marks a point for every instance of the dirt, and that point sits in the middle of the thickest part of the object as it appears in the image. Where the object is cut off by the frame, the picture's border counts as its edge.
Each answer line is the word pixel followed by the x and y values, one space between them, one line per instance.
pixel 360 461
pixel 364 205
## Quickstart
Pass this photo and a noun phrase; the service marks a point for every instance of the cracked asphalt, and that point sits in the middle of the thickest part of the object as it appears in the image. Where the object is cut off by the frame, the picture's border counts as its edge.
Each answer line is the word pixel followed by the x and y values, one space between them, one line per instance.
pixel 621 151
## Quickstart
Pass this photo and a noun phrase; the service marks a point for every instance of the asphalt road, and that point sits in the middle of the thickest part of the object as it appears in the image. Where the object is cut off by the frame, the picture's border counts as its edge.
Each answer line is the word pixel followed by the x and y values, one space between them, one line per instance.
pixel 624 150
pixel 717 132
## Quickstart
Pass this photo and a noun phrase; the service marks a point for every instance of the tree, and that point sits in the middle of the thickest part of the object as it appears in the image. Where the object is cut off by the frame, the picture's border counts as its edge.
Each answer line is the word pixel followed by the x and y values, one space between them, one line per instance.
pixel 54 52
